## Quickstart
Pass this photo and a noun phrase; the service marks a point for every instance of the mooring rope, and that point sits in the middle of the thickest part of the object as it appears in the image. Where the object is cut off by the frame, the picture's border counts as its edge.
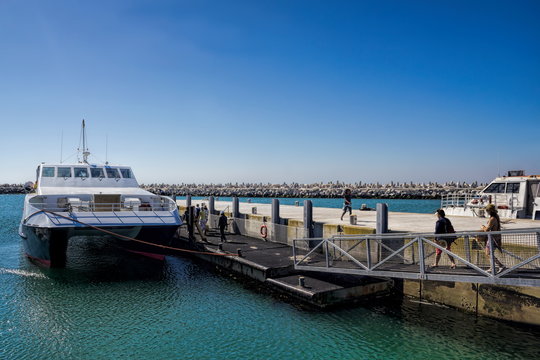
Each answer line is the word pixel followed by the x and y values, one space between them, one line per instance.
pixel 128 237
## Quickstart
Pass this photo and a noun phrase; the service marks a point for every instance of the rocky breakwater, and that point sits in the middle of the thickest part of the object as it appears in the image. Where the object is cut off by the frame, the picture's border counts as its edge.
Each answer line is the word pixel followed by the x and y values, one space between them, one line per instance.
pixel 317 190
pixel 12 189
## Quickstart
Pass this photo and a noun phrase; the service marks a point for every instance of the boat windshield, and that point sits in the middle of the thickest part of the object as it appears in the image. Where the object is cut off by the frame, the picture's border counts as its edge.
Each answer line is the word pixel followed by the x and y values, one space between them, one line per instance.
pixel 126 173
pixel 512 188
pixel 47 172
pixel 97 173
pixel 112 173
pixel 81 172
pixel 501 188
pixel 64 172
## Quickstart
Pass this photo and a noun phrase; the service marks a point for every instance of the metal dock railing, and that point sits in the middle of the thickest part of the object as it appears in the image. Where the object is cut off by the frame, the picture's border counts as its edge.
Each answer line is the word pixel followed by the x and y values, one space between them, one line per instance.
pixel 410 256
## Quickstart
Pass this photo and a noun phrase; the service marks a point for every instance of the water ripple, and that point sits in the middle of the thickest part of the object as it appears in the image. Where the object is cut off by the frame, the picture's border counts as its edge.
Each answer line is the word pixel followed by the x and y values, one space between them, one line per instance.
pixel 107 305
pixel 24 273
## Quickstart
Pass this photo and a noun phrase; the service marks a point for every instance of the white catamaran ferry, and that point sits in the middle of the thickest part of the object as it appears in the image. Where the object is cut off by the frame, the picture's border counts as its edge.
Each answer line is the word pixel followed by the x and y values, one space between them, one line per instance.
pixel 516 196
pixel 84 199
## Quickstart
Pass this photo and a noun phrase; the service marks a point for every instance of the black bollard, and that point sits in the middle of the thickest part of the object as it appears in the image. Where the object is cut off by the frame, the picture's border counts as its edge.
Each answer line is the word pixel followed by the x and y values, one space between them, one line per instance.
pixel 382 218
pixel 308 219
pixel 275 211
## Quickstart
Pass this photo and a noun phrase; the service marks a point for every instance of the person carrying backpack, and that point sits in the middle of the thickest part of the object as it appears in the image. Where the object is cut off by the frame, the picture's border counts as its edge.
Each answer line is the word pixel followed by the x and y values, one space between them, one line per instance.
pixel 444 226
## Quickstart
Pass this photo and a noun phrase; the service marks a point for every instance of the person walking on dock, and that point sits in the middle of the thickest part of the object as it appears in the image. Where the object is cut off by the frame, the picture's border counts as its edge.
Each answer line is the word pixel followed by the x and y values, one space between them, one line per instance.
pixel 347 202
pixel 443 226
pixel 203 218
pixel 188 220
pixel 494 224
pixel 222 224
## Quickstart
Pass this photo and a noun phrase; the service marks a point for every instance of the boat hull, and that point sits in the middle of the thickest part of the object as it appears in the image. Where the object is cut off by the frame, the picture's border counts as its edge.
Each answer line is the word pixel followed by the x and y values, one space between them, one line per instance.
pixel 45 245
pixel 48 246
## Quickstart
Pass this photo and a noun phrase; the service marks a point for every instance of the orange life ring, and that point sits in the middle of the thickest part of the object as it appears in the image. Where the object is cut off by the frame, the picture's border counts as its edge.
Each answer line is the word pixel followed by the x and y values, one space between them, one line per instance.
pixel 502 207
pixel 264 231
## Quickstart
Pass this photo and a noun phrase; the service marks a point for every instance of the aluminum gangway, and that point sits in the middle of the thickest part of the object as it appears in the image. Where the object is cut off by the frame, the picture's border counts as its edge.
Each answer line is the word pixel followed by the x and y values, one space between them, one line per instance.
pixel 412 256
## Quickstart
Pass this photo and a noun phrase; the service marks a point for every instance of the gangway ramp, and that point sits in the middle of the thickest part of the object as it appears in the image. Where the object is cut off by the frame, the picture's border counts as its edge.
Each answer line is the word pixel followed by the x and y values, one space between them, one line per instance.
pixel 411 256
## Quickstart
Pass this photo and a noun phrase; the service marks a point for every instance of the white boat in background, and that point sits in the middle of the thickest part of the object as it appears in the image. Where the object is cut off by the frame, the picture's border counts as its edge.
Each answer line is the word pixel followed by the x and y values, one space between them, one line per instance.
pixel 516 196
pixel 82 198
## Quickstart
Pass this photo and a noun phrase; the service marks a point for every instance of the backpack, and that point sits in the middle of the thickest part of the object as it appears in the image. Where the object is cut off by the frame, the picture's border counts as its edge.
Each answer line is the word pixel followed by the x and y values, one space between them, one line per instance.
pixel 450 230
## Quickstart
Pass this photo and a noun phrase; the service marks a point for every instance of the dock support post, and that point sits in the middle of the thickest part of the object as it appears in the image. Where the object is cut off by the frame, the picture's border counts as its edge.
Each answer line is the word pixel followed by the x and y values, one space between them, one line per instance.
pixel 190 221
pixel 276 233
pixel 275 211
pixel 382 225
pixel 382 218
pixel 235 214
pixel 421 259
pixel 211 205
pixel 308 219
pixel 188 201
pixel 235 207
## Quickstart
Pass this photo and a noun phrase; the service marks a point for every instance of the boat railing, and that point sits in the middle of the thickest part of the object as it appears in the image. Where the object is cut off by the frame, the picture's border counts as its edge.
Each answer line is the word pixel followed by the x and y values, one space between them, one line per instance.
pixel 474 200
pixel 461 200
pixel 165 204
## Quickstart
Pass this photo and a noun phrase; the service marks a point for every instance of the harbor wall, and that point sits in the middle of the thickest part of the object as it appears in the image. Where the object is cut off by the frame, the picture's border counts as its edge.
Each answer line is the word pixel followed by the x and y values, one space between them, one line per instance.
pixel 432 190
pixel 287 229
pixel 511 303
pixel 393 190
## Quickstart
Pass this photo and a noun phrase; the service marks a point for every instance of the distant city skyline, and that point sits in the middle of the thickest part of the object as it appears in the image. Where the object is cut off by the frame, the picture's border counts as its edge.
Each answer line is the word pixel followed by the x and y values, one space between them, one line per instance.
pixel 282 91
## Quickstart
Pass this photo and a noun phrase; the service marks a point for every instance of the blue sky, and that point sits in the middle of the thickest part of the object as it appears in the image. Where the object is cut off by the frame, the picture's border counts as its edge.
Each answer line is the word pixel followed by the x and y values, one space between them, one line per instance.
pixel 273 91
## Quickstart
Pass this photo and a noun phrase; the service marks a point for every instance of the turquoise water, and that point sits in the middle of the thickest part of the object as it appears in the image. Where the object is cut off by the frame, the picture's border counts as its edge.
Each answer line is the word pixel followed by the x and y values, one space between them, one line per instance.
pixel 115 306
pixel 397 205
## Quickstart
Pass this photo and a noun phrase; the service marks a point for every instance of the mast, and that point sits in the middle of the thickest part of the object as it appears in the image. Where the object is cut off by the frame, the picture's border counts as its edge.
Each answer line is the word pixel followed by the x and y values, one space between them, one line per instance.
pixel 61 146
pixel 85 151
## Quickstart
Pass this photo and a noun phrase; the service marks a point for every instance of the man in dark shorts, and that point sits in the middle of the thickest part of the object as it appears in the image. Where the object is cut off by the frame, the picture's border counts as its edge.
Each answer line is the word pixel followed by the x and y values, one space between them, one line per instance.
pixel 347 202
pixel 441 227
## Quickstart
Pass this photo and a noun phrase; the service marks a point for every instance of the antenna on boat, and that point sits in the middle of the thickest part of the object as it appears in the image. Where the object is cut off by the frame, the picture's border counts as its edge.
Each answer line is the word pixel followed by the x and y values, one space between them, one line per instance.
pixel 61 146
pixel 85 151
pixel 106 149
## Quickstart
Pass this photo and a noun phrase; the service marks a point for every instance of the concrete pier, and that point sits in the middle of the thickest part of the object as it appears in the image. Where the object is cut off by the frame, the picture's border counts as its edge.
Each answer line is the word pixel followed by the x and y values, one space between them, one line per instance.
pixel 271 264
pixel 270 260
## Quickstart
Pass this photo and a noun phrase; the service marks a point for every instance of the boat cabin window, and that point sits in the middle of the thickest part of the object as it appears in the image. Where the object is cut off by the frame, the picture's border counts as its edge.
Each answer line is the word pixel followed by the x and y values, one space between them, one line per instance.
pixel 81 172
pixel 495 188
pixel 64 172
pixel 47 171
pixel 512 188
pixel 112 173
pixel 126 173
pixel 97 173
